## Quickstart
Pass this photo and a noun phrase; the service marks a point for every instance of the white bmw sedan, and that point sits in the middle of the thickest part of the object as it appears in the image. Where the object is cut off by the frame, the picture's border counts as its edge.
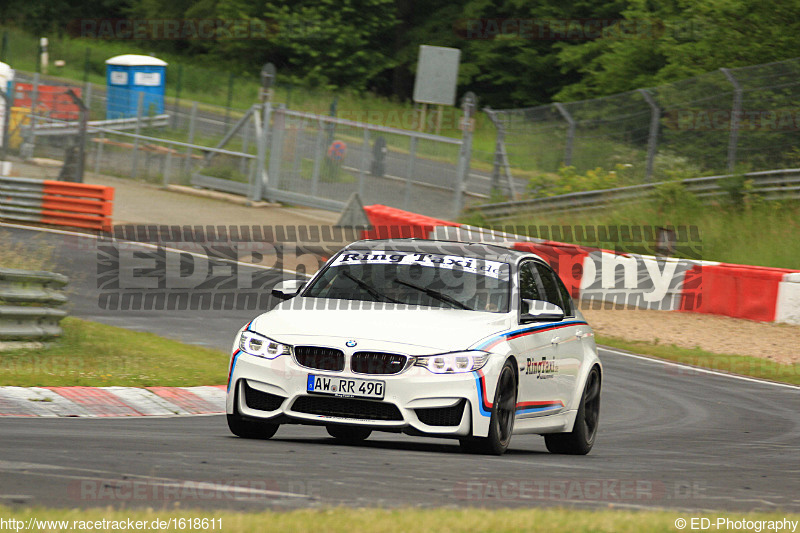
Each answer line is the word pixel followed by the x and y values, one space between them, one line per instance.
pixel 444 339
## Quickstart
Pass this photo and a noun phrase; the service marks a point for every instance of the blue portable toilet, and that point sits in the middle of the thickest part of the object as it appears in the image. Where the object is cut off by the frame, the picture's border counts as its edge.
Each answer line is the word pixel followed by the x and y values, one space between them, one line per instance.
pixel 127 76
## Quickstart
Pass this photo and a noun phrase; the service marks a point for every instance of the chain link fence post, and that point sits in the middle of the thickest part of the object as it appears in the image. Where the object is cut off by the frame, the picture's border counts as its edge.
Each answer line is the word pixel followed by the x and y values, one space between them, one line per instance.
pixel 652 136
pixel 29 144
pixel 80 140
pixel 736 113
pixel 276 149
pixel 187 160
pixel 8 102
pixel 139 108
pixel 570 133
pixel 468 104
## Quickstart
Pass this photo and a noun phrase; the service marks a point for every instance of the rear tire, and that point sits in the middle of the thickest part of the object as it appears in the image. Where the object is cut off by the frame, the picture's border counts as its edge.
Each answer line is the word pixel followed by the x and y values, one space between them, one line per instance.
pixel 580 440
pixel 349 434
pixel 248 428
pixel 501 424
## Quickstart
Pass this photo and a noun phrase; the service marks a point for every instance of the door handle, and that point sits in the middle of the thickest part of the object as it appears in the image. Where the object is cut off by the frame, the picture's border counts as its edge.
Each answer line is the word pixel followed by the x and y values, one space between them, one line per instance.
pixel 555 340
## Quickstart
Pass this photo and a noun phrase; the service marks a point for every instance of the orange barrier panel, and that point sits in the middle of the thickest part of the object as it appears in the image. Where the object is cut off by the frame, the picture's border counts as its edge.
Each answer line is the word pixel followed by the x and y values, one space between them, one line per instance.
pixel 79 205
pixel 739 291
pixel 392 223
pixel 52 99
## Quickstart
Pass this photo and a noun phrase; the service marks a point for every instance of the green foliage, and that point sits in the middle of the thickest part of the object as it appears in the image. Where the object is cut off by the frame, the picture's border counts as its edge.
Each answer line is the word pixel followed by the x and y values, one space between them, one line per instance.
pixel 372 45
pixel 672 196
pixel 739 189
pixel 677 39
pixel 568 180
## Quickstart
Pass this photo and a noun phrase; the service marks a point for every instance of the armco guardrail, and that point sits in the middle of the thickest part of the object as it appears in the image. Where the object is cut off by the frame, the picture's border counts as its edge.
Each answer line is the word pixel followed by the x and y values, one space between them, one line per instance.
pixel 770 185
pixel 29 304
pixel 53 127
pixel 56 202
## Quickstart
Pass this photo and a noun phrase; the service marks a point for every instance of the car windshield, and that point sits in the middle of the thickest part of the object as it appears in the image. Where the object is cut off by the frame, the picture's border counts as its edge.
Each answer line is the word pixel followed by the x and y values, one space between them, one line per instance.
pixel 415 278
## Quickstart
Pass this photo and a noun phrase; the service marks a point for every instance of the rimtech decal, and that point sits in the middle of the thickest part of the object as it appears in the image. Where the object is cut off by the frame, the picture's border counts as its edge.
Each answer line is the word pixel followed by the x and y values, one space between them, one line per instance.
pixel 541 369
pixel 492 269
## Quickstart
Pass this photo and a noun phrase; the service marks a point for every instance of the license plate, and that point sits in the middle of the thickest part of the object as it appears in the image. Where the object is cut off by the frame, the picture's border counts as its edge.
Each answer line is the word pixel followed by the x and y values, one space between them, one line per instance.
pixel 346 387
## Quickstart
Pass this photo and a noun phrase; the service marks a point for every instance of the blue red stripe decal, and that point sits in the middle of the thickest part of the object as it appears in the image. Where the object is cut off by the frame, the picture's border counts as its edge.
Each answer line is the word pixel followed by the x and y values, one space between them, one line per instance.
pixel 484 404
pixel 539 407
pixel 234 358
pixel 493 341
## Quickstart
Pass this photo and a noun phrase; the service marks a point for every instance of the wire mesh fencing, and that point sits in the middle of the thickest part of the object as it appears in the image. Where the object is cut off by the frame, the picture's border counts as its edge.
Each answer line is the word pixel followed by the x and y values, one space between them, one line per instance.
pixel 738 119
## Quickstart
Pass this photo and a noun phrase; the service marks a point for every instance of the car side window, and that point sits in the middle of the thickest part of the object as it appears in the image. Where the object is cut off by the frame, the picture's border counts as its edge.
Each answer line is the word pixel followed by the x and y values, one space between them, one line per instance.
pixel 552 290
pixel 528 287
pixel 566 297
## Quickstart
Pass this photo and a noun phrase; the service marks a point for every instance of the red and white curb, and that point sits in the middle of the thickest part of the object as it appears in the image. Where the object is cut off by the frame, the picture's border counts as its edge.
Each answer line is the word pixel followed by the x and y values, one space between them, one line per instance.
pixel 93 402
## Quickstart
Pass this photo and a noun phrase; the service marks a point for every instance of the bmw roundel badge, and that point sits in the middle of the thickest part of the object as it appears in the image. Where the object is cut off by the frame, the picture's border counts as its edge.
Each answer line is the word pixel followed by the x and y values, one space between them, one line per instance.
pixel 350 344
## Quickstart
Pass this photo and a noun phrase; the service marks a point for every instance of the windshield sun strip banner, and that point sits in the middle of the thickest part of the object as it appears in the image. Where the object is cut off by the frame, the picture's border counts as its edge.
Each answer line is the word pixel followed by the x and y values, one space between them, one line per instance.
pixel 493 269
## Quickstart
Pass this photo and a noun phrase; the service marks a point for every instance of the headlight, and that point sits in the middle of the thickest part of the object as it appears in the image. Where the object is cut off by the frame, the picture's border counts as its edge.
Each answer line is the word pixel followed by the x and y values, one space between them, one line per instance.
pixel 449 363
pixel 261 346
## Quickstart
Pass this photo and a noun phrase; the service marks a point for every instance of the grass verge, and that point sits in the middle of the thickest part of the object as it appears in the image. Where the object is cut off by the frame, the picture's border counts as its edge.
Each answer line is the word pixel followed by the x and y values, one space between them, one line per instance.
pixel 382 521
pixel 92 354
pixel 762 234
pixel 744 365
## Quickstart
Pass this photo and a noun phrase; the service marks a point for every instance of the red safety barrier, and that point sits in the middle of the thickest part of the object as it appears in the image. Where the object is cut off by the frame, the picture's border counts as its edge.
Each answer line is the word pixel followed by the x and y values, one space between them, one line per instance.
pixel 391 223
pixel 739 291
pixel 51 100
pixel 77 204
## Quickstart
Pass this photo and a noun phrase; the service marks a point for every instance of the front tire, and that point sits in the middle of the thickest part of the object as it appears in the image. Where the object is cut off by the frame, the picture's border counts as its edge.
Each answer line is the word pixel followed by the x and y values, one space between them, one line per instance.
pixel 349 434
pixel 248 428
pixel 501 424
pixel 581 439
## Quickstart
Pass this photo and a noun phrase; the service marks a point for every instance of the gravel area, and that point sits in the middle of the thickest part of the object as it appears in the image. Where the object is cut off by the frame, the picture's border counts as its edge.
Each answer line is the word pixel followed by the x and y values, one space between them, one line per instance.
pixel 716 334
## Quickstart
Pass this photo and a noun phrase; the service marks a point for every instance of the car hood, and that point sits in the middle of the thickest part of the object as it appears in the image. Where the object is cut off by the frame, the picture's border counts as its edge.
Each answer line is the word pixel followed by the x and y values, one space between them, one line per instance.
pixel 377 326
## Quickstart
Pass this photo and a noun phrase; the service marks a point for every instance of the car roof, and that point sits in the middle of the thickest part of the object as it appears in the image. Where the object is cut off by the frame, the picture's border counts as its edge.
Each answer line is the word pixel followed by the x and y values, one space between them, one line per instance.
pixel 469 249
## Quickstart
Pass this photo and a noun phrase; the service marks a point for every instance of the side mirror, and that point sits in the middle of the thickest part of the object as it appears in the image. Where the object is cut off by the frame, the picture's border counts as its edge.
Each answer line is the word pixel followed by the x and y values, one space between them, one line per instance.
pixel 540 311
pixel 288 289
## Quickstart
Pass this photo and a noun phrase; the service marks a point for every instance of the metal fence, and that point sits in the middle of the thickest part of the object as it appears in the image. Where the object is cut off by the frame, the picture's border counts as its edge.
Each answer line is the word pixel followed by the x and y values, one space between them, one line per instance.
pixel 29 304
pixel 299 158
pixel 769 185
pixel 328 158
pixel 710 124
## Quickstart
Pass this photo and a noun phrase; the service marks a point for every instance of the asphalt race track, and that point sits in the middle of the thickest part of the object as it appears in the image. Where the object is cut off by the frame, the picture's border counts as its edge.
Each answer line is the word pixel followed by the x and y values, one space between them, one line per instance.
pixel 670 436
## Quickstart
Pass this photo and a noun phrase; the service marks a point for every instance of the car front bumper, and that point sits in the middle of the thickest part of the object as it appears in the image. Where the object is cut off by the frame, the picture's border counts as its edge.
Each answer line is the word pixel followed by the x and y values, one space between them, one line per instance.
pixel 415 400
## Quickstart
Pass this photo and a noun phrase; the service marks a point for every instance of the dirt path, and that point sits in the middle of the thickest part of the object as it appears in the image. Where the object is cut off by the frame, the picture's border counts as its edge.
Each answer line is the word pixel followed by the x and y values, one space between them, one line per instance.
pixel 716 334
